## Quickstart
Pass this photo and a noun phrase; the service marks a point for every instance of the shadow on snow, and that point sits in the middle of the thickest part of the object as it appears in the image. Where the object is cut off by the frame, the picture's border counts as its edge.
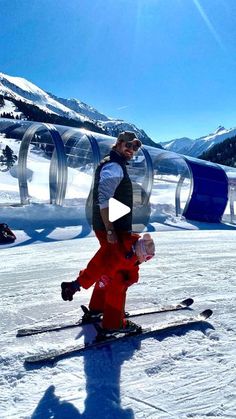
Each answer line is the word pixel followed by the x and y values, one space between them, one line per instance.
pixel 102 369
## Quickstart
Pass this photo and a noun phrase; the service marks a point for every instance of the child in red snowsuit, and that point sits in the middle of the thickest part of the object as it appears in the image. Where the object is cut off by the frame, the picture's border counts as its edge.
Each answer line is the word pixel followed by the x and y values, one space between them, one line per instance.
pixel 113 276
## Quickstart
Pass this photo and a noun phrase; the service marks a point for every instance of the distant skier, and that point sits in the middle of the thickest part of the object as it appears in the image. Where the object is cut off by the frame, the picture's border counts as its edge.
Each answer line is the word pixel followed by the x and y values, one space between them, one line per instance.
pixel 115 266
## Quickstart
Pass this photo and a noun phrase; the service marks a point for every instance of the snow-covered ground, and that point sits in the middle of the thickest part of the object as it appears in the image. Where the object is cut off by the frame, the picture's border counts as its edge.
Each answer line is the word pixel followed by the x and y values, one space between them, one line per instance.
pixel 184 376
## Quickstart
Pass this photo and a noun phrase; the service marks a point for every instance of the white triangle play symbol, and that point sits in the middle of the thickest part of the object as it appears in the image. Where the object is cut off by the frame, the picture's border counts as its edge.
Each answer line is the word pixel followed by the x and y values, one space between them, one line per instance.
pixel 116 210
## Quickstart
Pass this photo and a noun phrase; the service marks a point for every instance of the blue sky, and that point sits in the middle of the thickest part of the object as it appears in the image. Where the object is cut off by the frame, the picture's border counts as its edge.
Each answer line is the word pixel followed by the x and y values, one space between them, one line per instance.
pixel 169 66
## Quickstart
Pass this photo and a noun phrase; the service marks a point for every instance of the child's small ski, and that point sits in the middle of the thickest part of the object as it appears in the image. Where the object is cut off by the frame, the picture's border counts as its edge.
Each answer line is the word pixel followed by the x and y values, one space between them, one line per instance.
pixel 60 326
pixel 58 354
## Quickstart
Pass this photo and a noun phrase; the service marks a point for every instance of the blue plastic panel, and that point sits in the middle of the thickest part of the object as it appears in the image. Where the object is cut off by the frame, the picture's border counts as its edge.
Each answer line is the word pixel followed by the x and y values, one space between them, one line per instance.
pixel 210 192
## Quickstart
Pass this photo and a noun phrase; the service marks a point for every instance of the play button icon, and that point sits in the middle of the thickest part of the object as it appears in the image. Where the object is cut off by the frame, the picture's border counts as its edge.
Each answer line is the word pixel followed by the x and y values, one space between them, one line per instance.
pixel 116 210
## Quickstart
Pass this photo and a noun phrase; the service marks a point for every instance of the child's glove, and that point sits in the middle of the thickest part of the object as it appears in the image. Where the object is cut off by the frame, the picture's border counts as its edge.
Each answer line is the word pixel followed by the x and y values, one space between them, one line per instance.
pixel 144 248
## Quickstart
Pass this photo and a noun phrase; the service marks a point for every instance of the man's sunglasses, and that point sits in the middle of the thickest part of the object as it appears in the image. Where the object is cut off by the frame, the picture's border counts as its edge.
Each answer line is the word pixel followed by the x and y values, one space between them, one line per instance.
pixel 130 145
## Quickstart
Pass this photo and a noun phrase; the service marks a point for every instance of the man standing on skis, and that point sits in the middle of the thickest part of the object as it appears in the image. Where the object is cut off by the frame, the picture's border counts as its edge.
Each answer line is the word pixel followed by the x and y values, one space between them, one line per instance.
pixel 116 239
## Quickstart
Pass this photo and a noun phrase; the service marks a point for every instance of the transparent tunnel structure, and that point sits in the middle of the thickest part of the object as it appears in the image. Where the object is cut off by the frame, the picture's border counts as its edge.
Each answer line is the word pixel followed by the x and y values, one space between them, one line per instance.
pixel 165 184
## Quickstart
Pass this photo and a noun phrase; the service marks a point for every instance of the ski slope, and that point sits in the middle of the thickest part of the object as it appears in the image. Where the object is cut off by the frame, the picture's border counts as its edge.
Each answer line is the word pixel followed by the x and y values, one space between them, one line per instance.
pixel 188 375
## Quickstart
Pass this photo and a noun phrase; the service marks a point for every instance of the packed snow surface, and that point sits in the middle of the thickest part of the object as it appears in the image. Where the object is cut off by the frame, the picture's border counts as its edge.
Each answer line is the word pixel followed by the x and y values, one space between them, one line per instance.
pixel 190 374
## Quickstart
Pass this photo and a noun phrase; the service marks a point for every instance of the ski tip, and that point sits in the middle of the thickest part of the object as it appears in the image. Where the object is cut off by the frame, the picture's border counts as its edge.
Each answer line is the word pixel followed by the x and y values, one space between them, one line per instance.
pixel 21 332
pixel 31 360
pixel 206 314
pixel 186 303
pixel 40 359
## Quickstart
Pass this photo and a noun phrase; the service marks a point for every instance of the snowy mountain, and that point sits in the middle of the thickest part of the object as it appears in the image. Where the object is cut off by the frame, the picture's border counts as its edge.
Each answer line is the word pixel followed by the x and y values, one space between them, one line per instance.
pixel 196 147
pixel 21 89
pixel 81 108
pixel 14 89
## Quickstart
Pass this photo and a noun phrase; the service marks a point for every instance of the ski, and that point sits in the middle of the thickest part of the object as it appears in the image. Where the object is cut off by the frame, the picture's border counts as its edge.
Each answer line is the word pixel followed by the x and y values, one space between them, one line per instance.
pixel 57 354
pixel 54 327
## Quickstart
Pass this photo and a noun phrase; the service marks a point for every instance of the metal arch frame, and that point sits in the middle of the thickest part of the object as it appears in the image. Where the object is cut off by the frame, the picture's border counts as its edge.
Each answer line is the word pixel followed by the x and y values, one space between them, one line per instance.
pixel 95 149
pixel 232 191
pixel 165 154
pixel 53 171
pixel 231 205
pixel 177 196
pixel 94 145
pixel 58 165
pixel 178 191
pixel 96 161
pixel 96 156
pixel 148 179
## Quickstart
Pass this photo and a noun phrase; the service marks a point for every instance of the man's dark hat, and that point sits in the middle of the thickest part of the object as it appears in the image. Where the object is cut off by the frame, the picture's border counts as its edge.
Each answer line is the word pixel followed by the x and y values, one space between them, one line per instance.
pixel 127 136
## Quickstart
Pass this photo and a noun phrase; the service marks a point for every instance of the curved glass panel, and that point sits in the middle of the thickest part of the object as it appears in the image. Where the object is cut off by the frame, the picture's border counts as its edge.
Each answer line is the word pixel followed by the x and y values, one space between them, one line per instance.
pixel 165 184
pixel 81 166
pixel 141 175
pixel 9 187
pixel 39 156
pixel 33 150
pixel 171 186
pixel 230 210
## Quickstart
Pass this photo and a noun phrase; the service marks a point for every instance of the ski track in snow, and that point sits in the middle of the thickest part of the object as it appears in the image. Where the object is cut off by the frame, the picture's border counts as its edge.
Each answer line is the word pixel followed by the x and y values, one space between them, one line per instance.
pixel 187 375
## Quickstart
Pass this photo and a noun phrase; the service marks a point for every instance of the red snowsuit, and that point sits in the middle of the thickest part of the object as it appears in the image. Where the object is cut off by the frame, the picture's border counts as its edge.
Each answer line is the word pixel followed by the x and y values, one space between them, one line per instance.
pixel 112 276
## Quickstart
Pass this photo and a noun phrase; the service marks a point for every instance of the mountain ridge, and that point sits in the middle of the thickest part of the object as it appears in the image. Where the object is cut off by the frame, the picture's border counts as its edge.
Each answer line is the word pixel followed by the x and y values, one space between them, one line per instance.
pixel 19 89
pixel 72 111
pixel 196 147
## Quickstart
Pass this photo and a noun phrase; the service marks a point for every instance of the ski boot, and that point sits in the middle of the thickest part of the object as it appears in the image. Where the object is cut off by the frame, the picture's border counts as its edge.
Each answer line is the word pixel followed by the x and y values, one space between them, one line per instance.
pixel 91 316
pixel 129 328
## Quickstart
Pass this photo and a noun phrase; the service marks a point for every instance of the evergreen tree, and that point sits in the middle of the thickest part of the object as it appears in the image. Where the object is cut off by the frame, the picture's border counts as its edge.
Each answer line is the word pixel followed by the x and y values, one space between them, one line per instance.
pixel 8 158
pixel 222 153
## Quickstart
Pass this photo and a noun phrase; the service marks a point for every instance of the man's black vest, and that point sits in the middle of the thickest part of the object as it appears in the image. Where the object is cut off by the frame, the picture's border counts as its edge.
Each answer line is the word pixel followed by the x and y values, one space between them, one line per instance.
pixel 123 193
